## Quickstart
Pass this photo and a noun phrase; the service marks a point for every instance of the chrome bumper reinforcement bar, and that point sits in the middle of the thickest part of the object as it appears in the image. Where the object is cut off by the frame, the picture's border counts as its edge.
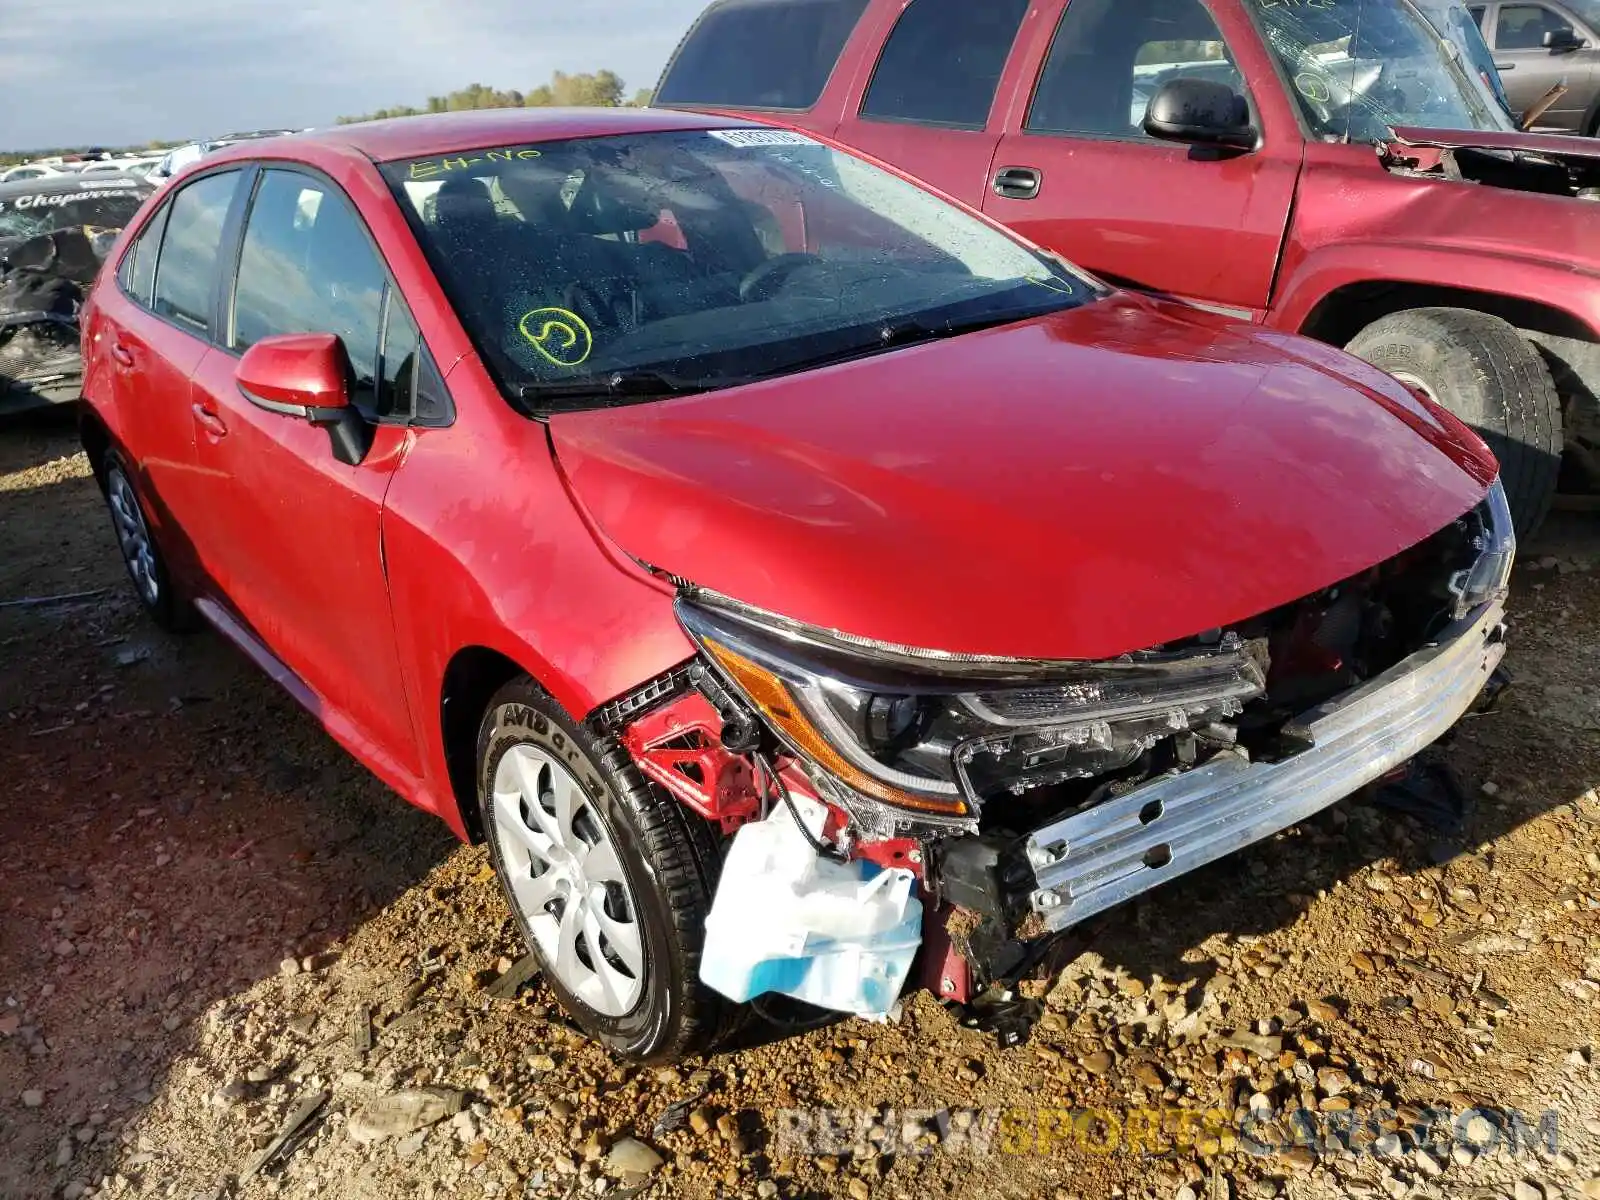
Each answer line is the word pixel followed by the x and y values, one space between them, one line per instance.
pixel 1096 860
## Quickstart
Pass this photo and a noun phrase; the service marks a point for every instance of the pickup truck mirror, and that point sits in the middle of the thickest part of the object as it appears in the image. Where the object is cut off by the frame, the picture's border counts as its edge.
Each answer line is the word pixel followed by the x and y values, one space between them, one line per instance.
pixel 1200 112
pixel 1562 40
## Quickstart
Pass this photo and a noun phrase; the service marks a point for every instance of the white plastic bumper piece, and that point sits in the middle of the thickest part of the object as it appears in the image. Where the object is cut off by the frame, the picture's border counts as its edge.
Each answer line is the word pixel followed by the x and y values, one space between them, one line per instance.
pixel 1098 859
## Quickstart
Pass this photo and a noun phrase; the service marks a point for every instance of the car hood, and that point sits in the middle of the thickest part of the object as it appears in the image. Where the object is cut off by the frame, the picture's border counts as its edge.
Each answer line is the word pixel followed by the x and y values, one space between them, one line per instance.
pixel 1078 486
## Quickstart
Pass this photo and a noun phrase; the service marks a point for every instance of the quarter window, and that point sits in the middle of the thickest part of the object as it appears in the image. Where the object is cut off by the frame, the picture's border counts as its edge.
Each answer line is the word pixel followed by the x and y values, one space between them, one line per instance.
pixel 1109 57
pixel 943 62
pixel 186 274
pixel 138 271
pixel 307 266
pixel 397 362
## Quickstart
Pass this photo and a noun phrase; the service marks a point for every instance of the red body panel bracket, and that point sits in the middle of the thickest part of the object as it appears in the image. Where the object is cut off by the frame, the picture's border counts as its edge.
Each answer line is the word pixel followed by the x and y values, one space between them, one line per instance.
pixel 680 748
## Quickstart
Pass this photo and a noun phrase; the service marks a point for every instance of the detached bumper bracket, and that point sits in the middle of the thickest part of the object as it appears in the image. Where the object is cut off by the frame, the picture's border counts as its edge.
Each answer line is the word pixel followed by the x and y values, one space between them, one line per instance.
pixel 1098 859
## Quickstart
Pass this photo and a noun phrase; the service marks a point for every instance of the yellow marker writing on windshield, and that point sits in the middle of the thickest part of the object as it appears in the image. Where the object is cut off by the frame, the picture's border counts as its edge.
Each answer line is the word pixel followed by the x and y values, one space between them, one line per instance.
pixel 559 335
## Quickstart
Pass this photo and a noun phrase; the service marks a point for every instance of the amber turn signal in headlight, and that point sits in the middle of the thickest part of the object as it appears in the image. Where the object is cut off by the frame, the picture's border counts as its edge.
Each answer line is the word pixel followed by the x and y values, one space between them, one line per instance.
pixel 786 712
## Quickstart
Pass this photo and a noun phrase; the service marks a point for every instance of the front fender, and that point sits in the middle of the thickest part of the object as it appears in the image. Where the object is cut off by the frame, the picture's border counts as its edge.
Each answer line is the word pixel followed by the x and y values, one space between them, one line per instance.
pixel 1323 272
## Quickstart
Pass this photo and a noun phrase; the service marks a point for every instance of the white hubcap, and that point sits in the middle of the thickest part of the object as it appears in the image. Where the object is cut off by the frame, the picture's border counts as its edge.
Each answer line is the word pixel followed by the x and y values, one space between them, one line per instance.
pixel 563 873
pixel 133 536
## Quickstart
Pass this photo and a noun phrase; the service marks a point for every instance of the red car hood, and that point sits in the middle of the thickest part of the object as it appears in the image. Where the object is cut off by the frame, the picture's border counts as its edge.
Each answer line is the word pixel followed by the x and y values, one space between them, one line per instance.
pixel 1074 487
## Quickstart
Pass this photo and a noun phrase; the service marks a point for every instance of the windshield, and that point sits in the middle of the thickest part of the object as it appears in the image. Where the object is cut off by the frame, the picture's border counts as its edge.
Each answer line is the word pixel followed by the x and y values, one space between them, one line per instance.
pixel 706 258
pixel 1360 67
pixel 30 215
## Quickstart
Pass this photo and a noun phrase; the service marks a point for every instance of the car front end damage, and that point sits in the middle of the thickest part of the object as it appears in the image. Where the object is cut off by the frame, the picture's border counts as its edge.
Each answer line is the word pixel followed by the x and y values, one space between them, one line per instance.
pixel 1024 797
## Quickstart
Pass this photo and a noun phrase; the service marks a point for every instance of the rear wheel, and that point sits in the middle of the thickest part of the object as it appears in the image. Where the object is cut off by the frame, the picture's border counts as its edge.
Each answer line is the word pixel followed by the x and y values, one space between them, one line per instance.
pixel 609 881
pixel 1483 371
pixel 140 553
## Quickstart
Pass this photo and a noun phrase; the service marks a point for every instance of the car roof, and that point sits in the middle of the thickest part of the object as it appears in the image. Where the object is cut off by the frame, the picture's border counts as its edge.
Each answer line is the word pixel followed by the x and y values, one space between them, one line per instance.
pixel 445 133
pixel 46 185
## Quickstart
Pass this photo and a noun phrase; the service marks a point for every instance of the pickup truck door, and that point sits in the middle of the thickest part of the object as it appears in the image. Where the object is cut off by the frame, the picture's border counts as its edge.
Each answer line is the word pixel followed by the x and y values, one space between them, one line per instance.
pixel 1529 68
pixel 1076 172
pixel 926 101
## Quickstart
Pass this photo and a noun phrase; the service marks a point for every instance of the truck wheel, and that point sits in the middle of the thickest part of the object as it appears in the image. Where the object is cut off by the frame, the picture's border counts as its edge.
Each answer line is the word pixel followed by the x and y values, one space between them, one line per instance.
pixel 609 880
pixel 1482 370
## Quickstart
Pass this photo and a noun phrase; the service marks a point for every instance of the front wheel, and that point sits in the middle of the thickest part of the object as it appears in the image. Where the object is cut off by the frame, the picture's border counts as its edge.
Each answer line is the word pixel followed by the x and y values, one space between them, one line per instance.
pixel 1484 372
pixel 609 881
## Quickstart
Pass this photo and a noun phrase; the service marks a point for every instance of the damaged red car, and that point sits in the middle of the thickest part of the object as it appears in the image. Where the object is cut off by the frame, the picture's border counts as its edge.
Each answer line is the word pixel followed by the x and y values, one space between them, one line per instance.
pixel 771 560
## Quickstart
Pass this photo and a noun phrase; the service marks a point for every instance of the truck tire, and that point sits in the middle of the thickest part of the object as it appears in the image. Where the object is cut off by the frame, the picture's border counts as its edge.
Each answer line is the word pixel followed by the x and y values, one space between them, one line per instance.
pixel 609 879
pixel 1483 371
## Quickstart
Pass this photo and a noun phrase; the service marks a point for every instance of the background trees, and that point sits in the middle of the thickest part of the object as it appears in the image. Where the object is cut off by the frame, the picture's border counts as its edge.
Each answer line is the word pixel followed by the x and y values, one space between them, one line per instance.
pixel 599 89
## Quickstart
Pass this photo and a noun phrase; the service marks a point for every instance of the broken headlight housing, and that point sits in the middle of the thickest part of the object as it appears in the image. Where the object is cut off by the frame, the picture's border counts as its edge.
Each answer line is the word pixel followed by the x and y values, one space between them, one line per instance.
pixel 932 735
pixel 1489 577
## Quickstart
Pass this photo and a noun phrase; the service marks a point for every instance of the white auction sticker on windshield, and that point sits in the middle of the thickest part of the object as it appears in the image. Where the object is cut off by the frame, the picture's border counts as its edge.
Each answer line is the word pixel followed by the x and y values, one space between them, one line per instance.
pixel 746 138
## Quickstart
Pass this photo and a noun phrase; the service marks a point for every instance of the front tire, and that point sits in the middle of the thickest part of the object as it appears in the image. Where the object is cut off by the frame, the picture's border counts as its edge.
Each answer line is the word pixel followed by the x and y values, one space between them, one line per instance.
pixel 1483 371
pixel 609 881
pixel 141 554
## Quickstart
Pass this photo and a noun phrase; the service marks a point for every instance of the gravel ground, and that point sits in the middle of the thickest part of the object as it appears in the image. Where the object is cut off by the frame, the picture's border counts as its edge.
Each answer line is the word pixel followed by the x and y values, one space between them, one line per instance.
pixel 214 921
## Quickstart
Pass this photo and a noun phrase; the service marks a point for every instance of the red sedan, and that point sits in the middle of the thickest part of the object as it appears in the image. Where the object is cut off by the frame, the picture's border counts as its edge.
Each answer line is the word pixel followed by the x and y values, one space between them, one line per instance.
pixel 765 555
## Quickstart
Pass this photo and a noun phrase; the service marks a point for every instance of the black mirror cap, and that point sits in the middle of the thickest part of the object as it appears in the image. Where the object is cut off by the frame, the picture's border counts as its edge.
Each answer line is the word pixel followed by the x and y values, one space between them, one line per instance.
pixel 1200 112
pixel 1565 38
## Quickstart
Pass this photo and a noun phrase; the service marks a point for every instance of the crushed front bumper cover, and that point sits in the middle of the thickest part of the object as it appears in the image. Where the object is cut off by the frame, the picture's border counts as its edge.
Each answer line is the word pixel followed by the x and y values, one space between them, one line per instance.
pixel 1095 860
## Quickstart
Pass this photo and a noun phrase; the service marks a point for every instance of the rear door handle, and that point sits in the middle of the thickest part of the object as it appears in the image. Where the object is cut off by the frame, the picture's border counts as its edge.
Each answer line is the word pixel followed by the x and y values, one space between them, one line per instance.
pixel 1018 183
pixel 210 420
pixel 122 354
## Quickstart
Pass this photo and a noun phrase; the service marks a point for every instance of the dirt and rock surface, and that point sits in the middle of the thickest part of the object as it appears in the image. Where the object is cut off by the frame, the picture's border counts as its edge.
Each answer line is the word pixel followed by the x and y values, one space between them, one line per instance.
pixel 215 923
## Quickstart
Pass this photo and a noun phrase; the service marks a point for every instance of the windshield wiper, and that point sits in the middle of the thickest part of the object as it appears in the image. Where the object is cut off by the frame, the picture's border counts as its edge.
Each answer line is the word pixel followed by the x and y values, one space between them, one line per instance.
pixel 614 386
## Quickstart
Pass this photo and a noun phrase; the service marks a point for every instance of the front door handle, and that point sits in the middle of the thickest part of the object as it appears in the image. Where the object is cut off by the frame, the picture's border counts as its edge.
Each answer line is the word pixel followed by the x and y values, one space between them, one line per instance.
pixel 1505 66
pixel 122 355
pixel 1018 183
pixel 209 420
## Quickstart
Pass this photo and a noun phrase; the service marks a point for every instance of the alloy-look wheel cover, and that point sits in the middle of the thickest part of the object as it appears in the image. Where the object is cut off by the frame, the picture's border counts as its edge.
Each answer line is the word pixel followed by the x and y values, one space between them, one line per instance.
pixel 133 536
pixel 562 870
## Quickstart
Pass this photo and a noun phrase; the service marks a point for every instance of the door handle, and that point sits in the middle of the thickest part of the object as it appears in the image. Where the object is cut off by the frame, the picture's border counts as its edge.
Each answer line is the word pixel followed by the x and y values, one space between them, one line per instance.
pixel 122 354
pixel 1505 66
pixel 1018 183
pixel 209 420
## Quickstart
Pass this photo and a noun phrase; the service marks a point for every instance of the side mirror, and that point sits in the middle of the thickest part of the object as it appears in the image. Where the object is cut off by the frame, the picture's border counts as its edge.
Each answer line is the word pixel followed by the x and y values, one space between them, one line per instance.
pixel 1200 112
pixel 1563 40
pixel 306 376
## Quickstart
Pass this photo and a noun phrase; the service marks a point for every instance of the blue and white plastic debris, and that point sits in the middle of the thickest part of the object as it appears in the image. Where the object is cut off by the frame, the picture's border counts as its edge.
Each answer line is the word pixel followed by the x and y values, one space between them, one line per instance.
pixel 785 919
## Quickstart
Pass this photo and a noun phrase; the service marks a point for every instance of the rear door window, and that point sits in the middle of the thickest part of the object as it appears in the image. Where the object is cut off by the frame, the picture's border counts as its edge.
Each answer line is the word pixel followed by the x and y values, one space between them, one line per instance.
pixel 186 274
pixel 766 54
pixel 943 62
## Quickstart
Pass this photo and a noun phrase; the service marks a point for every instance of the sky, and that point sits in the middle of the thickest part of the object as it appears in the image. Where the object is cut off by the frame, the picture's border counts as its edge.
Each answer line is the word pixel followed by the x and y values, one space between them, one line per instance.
pixel 115 72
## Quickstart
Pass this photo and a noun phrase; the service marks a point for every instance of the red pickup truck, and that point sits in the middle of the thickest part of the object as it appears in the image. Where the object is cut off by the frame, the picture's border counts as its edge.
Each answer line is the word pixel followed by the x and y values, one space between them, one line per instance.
pixel 1345 169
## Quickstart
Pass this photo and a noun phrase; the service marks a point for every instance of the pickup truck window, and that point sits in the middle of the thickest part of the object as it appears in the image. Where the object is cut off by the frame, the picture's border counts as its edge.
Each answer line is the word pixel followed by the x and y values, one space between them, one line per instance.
pixel 1110 56
pixel 1360 67
pixel 760 54
pixel 943 62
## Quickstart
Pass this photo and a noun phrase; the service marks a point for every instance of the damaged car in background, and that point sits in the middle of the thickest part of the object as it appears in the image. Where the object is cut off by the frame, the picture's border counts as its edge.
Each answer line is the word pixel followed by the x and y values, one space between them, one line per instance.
pixel 54 233
pixel 809 589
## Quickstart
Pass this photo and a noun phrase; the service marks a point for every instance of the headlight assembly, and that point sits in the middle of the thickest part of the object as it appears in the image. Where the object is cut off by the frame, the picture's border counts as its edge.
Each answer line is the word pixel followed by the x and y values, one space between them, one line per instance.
pixel 1489 577
pixel 931 735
